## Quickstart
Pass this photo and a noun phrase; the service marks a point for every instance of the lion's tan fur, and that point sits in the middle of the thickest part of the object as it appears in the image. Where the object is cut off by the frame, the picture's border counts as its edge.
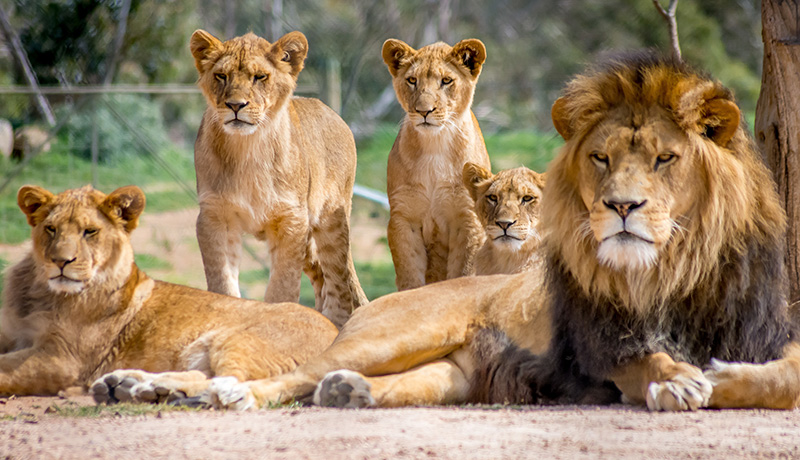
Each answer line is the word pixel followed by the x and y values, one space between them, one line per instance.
pixel 105 314
pixel 433 231
pixel 742 192
pixel 507 205
pixel 279 167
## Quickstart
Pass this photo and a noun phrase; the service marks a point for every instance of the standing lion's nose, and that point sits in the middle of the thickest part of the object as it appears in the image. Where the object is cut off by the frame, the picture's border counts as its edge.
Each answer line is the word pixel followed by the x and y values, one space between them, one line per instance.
pixel 624 208
pixel 236 106
pixel 505 224
pixel 62 262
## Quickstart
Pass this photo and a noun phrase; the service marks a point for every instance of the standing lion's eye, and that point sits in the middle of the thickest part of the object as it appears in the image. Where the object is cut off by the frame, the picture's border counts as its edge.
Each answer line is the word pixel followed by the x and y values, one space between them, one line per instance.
pixel 260 77
pixel 527 199
pixel 411 81
pixel 664 159
pixel 492 198
pixel 220 77
pixel 89 232
pixel 50 230
pixel 446 81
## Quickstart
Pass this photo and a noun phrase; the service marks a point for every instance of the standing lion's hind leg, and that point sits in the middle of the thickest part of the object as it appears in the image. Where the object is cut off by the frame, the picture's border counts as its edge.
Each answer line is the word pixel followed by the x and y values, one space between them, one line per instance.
pixel 772 385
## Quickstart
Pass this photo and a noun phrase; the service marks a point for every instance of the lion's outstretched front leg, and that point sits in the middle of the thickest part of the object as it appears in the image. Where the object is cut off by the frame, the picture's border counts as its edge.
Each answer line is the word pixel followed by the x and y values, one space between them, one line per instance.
pixel 663 384
pixel 772 385
pixel 133 385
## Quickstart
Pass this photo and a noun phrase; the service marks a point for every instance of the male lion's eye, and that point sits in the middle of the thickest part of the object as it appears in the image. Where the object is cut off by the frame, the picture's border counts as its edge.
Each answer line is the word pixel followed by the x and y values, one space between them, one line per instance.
pixel 492 198
pixel 90 232
pixel 665 158
pixel 599 157
pixel 446 81
pixel 220 76
pixel 260 77
pixel 411 81
pixel 527 199
pixel 50 230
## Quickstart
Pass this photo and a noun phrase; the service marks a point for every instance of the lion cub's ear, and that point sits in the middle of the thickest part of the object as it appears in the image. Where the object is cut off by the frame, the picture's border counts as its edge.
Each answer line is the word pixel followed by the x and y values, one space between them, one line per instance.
pixel 125 203
pixel 722 119
pixel 201 44
pixel 561 118
pixel 291 48
pixel 470 53
pixel 396 53
pixel 475 178
pixel 31 198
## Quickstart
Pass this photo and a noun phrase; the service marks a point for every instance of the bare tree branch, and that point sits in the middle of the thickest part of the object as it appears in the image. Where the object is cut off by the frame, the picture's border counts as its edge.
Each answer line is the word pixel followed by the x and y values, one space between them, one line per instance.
pixel 672 23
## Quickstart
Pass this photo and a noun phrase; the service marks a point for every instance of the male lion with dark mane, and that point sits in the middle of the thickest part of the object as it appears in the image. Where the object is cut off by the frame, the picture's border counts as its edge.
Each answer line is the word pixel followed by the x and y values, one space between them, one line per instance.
pixel 78 306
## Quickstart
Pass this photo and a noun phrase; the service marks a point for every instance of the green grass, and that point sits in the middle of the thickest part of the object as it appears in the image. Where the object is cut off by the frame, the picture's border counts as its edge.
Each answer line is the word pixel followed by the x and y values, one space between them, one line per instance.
pixel 150 262
pixel 116 410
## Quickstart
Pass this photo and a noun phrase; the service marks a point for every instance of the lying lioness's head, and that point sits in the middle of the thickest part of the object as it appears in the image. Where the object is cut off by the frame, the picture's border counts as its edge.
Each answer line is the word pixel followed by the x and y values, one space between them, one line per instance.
pixel 81 237
pixel 247 80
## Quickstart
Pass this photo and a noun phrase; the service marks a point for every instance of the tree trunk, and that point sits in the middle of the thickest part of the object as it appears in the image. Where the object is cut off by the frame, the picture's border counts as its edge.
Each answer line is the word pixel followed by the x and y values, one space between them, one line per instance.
pixel 777 124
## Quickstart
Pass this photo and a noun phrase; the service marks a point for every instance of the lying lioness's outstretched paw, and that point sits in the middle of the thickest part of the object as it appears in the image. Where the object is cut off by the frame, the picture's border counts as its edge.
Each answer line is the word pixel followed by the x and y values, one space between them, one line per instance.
pixel 680 393
pixel 344 389
pixel 123 386
pixel 229 393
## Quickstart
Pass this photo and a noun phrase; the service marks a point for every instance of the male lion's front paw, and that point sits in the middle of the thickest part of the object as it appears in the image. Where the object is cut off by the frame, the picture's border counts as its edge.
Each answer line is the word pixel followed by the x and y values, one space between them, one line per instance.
pixel 688 391
pixel 344 389
pixel 229 393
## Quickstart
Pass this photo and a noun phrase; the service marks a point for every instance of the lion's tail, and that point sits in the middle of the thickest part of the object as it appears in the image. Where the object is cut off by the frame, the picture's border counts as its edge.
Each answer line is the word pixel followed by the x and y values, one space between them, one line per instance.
pixel 508 374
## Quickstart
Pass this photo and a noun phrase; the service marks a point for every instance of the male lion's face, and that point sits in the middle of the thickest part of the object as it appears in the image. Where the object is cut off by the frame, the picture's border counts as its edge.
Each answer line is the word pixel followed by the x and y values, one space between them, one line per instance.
pixel 434 84
pixel 247 80
pixel 634 178
pixel 80 237
pixel 507 203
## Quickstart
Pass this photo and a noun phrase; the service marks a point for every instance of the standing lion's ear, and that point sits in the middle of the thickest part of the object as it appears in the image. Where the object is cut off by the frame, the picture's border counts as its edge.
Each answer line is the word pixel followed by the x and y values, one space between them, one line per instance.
pixel 201 44
pixel 474 176
pixel 396 53
pixel 125 203
pixel 30 198
pixel 292 48
pixel 470 53
pixel 721 120
pixel 561 118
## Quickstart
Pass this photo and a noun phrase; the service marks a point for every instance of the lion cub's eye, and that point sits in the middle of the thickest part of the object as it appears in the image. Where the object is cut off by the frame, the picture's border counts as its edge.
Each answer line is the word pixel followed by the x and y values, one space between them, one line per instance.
pixel 50 230
pixel 492 198
pixel 89 232
pixel 446 81
pixel 665 158
pixel 599 158
pixel 527 199
pixel 220 77
pixel 411 81
pixel 260 77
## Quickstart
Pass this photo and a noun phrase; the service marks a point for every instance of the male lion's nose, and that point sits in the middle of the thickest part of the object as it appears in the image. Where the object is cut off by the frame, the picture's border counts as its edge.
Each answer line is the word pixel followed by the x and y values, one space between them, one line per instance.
pixel 236 106
pixel 624 208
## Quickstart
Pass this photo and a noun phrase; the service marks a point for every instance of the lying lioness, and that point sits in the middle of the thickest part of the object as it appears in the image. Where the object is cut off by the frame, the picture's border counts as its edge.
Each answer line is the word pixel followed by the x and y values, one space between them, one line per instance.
pixel 78 306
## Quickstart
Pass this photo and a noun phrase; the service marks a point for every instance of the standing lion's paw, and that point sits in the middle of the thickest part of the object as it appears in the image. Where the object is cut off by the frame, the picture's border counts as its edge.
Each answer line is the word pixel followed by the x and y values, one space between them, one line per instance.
pixel 229 393
pixel 680 393
pixel 344 389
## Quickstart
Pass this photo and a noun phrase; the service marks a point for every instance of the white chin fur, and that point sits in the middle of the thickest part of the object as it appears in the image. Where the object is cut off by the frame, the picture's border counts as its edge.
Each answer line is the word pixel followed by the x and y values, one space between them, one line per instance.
pixel 508 244
pixel 631 254
pixel 239 129
pixel 65 286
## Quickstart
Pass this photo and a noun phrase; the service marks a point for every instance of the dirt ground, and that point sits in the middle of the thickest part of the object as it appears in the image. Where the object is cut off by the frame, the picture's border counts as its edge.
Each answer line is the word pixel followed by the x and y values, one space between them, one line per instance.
pixel 616 432
pixel 31 429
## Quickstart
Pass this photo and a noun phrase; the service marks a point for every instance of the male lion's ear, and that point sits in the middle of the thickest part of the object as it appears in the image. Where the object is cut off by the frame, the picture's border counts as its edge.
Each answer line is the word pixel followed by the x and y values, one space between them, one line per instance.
pixel 470 53
pixel 561 118
pixel 395 53
pixel 29 199
pixel 291 48
pixel 125 203
pixel 721 120
pixel 473 176
pixel 201 43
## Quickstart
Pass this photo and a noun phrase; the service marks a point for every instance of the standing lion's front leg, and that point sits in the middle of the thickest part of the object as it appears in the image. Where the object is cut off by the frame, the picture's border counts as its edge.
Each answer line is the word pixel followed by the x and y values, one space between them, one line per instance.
pixel 221 248
pixel 465 239
pixel 663 384
pixel 408 252
pixel 287 234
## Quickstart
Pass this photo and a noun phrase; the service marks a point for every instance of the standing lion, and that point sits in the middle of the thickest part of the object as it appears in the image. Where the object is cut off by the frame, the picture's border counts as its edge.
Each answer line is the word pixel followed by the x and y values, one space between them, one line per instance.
pixel 276 166
pixel 433 230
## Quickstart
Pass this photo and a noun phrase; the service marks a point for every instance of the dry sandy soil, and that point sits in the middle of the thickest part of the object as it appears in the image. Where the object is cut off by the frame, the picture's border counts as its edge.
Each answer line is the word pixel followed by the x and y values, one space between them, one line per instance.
pixel 30 429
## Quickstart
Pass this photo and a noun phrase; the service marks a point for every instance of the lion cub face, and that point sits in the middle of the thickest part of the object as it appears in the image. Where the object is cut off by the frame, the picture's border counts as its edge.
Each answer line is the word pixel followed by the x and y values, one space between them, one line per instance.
pixel 247 80
pixel 506 203
pixel 81 236
pixel 434 84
